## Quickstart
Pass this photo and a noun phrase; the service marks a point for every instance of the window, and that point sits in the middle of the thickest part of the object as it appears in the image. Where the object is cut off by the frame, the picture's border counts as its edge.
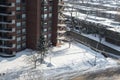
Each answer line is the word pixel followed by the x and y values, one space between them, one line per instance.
pixel 45 23
pixel 51 2
pixel 45 2
pixel 18 46
pixel 14 45
pixel 13 37
pixel 18 16
pixel 50 15
pixel 49 28
pixel 23 30
pixel 45 36
pixel 23 16
pixel 18 39
pixel 49 35
pixel 23 45
pixel 23 8
pixel 45 30
pixel 17 8
pixel 23 1
pixel 18 31
pixel 50 23
pixel 13 21
pixel 18 24
pixel 44 16
pixel 50 8
pixel 23 37
pixel 17 1
pixel 45 8
pixel 23 24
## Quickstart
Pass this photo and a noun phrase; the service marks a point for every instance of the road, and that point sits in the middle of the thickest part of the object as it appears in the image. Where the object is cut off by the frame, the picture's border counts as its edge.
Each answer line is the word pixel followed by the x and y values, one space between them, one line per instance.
pixel 108 74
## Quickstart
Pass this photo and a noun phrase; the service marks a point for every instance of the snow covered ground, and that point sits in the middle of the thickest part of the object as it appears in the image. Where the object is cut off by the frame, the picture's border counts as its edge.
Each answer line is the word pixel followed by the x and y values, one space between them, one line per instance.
pixel 64 60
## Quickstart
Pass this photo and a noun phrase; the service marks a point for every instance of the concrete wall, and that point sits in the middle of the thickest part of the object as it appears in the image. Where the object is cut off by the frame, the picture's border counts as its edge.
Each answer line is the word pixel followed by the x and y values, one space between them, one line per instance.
pixel 92 43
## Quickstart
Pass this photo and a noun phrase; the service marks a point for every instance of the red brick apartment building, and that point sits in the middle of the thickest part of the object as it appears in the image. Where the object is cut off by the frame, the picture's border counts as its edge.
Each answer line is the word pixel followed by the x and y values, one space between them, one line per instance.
pixel 23 21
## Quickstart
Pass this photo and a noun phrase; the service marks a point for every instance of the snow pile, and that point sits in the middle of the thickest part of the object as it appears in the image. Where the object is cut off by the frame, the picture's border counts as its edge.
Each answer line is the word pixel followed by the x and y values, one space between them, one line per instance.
pixel 64 60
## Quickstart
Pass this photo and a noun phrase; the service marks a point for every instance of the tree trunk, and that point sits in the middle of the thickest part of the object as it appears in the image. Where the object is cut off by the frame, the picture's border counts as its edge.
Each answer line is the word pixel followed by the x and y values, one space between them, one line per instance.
pixel 35 64
pixel 41 58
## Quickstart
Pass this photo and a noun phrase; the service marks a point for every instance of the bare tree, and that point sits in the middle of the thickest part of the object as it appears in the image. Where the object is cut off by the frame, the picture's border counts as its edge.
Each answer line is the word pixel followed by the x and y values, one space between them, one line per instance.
pixel 38 56
pixel 32 59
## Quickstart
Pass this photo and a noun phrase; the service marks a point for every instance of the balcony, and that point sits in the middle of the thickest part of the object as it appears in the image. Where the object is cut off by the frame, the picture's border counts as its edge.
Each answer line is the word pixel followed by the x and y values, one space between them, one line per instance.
pixel 7 30
pixel 7 38
pixel 4 4
pixel 7 46
pixel 7 22
pixel 7 14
